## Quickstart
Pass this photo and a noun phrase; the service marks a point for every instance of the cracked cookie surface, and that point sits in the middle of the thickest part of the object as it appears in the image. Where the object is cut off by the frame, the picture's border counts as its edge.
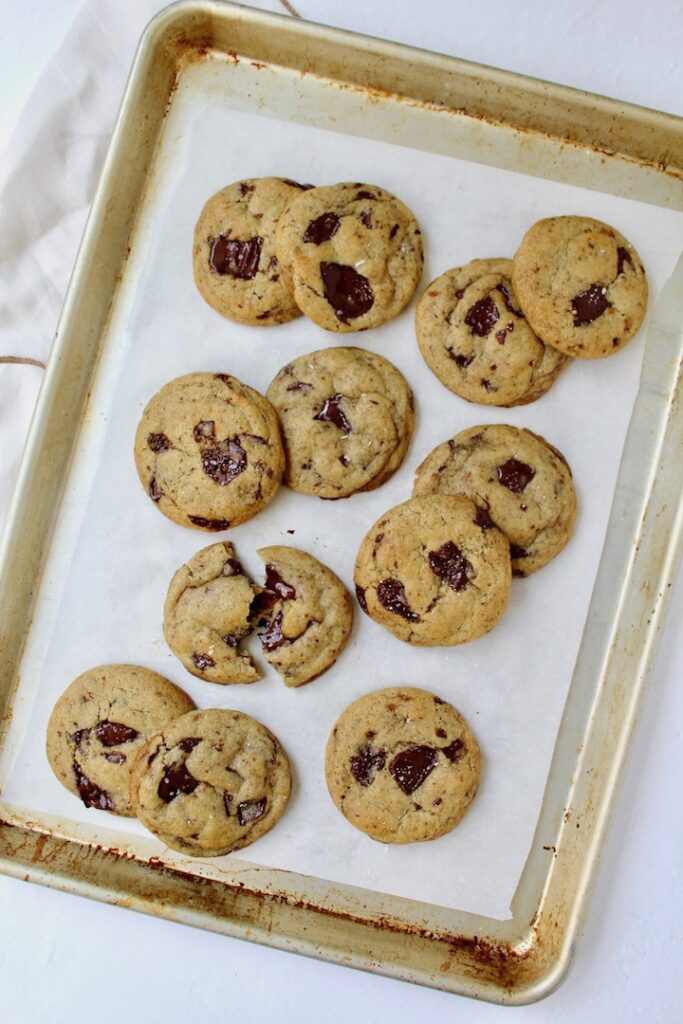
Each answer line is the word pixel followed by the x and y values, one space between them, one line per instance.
pixel 211 782
pixel 476 340
pixel 352 254
pixel 581 285
pixel 402 765
pixel 236 268
pixel 347 418
pixel 432 573
pixel 208 451
pixel 518 480
pixel 99 725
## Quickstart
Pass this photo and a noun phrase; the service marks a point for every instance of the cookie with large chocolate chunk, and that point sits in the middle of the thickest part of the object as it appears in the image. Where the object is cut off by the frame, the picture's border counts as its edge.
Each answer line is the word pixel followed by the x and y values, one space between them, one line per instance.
pixel 519 482
pixel 475 338
pixel 352 254
pixel 432 572
pixel 99 725
pixel 581 285
pixel 208 451
pixel 211 782
pixel 347 417
pixel 236 268
pixel 402 765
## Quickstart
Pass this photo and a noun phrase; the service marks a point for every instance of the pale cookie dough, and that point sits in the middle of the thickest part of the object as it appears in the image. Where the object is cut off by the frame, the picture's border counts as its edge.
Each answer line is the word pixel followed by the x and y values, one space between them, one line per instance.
pixel 432 573
pixel 476 340
pixel 100 724
pixel 208 451
pixel 581 285
pixel 211 782
pixel 353 255
pixel 519 482
pixel 402 765
pixel 347 418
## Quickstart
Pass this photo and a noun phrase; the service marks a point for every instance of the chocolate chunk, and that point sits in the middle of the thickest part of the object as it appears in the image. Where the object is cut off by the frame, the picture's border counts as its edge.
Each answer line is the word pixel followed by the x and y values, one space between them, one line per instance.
pixel 589 305
pixel 483 519
pixel 410 768
pixel 296 184
pixel 515 475
pixel 623 256
pixel 393 231
pixel 224 461
pixel 441 733
pixel 322 228
pixel 360 595
pixel 459 359
pixel 250 811
pixel 366 763
pixel 332 412
pixel 364 194
pixel 189 743
pixel 209 524
pixel 227 801
pixel 154 754
pixel 454 750
pixel 231 640
pixel 365 218
pixel 225 377
pixel 154 490
pixel 501 335
pixel 158 442
pixel 272 636
pixel 517 552
pixel 205 429
pixel 202 661
pixel 175 780
pixel 275 582
pixel 392 596
pixel 79 736
pixel 231 567
pixel 379 537
pixel 300 385
pixel 459 294
pixel 111 734
pixel 90 794
pixel 234 257
pixel 451 566
pixel 115 757
pixel 245 189
pixel 485 383
pixel 349 293
pixel 262 604
pixel 482 316
pixel 344 459
pixel 507 299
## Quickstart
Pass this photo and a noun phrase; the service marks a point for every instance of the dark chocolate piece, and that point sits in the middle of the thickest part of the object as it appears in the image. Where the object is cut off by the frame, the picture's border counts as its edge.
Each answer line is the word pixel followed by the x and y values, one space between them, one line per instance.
pixel 451 566
pixel 623 256
pixel 454 750
pixel 205 430
pixel 411 767
pixel 322 228
pixel 224 461
pixel 458 358
pixel 250 811
pixel 360 595
pixel 111 734
pixel 483 519
pixel 588 305
pixel 235 257
pixel 517 552
pixel 275 582
pixel 272 636
pixel 202 661
pixel 209 524
pixel 366 763
pixel 332 412
pixel 515 475
pixel 189 743
pixel 348 292
pixel 482 316
pixel 392 596
pixel 175 780
pixel 90 794
pixel 158 442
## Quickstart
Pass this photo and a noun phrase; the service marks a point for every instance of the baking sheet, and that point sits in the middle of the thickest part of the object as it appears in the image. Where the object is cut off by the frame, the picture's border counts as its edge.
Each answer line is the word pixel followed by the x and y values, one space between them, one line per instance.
pixel 113 553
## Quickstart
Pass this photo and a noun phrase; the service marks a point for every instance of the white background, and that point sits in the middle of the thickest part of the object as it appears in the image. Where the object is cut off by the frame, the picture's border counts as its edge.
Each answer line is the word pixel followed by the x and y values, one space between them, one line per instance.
pixel 60 955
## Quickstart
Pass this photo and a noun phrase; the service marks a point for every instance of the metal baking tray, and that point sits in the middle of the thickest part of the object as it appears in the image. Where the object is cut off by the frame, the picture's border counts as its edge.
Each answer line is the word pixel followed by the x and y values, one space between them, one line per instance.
pixel 472 113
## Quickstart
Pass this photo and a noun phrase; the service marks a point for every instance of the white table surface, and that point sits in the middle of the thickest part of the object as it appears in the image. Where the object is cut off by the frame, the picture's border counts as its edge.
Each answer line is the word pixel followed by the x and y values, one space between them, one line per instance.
pixel 61 956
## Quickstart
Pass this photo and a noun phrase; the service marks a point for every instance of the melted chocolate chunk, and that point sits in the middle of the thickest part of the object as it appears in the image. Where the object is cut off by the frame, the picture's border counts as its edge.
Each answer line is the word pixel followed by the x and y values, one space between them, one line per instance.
pixel 261 604
pixel 322 228
pixel 175 780
pixel 501 335
pixel 454 750
pixel 392 596
pixel 349 293
pixel 393 231
pixel 189 743
pixel 507 299
pixel 275 582
pixel 483 519
pixel 623 256
pixel 366 763
pixel 231 640
pixel 365 218
pixel 364 194
pixel 79 736
pixel 515 475
pixel 234 257
pixel 111 734
pixel 272 636
pixel 158 442
pixel 482 316
pixel 115 758
pixel 209 524
pixel 90 794
pixel 224 461
pixel 202 661
pixel 360 595
pixel 300 385
pixel 459 359
pixel 332 412
pixel 517 552
pixel 250 811
pixel 245 189
pixel 441 733
pixel 589 305
pixel 296 184
pixel 227 801
pixel 410 768
pixel 155 492
pixel 451 566
pixel 231 567
pixel 205 429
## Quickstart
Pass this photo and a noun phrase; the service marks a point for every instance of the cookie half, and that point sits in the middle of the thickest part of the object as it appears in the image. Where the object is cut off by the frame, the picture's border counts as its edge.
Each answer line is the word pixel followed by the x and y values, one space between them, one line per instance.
pixel 402 765
pixel 100 724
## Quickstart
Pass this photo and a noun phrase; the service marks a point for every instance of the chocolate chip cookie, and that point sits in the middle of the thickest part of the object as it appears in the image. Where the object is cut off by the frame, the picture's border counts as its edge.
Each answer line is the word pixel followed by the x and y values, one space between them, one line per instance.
pixel 305 612
pixel 352 253
pixel 475 338
pixel 347 417
pixel 208 451
pixel 207 615
pixel 235 266
pixel 519 482
pixel 100 724
pixel 402 765
pixel 581 285
pixel 211 782
pixel 433 571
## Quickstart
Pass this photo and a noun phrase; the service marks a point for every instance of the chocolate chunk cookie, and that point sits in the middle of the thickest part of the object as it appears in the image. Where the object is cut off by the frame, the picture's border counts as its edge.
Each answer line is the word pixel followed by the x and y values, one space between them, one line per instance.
pixel 207 615
pixel 518 481
pixel 352 253
pixel 208 451
pixel 235 265
pixel 433 571
pixel 100 724
pixel 347 418
pixel 211 782
pixel 402 765
pixel 475 338
pixel 581 285
pixel 306 614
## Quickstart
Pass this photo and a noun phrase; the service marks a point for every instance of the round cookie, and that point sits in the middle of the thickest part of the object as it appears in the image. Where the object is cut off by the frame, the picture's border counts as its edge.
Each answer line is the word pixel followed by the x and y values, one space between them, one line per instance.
pixel 235 266
pixel 352 253
pixel 402 765
pixel 207 613
pixel 307 613
pixel 347 417
pixel 99 725
pixel 519 482
pixel 581 285
pixel 433 572
pixel 211 782
pixel 208 451
pixel 476 340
